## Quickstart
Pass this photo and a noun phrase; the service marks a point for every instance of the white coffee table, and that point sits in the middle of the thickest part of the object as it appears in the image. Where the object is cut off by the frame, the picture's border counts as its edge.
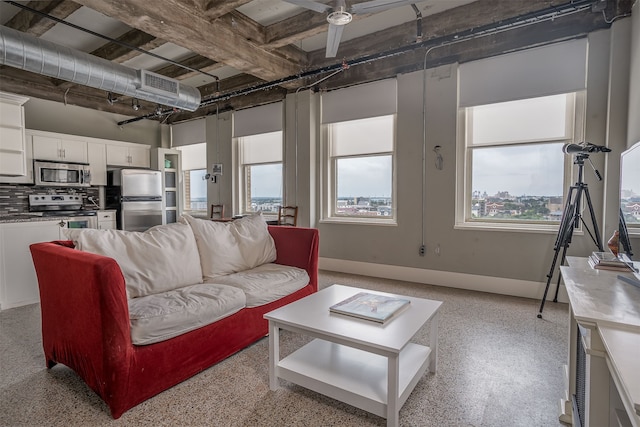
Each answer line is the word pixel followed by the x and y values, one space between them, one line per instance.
pixel 350 357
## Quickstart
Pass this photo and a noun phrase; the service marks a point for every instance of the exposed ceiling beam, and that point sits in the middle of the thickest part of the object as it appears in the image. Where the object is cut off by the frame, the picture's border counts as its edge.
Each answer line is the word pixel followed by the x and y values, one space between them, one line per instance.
pixel 198 62
pixel 185 26
pixel 296 28
pixel 116 52
pixel 37 25
pixel 243 26
pixel 216 8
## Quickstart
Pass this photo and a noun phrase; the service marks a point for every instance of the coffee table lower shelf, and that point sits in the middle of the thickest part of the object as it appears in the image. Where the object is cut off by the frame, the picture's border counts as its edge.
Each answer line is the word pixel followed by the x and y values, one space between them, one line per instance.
pixel 353 376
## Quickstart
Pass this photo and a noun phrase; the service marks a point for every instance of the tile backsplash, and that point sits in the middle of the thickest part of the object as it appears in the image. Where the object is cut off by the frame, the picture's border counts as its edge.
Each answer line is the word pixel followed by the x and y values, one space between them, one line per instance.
pixel 14 198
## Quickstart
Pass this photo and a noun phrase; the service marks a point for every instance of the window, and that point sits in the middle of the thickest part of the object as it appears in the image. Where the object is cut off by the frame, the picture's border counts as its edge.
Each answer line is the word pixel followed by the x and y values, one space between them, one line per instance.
pixel 360 170
pixel 358 149
pixel 515 172
pixel 195 186
pixel 260 162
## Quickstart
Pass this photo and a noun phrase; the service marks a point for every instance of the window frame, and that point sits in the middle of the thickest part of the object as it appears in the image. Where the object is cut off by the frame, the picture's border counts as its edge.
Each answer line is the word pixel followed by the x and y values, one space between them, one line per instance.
pixel 186 181
pixel 240 193
pixel 329 184
pixel 576 110
pixel 246 202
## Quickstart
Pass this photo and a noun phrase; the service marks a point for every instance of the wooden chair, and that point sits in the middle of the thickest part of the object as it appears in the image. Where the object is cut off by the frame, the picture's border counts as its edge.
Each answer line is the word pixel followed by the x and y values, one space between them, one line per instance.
pixel 288 215
pixel 217 211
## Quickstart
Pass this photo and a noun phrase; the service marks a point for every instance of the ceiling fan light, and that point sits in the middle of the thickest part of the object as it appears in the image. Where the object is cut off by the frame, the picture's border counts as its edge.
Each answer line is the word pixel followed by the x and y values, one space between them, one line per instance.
pixel 339 17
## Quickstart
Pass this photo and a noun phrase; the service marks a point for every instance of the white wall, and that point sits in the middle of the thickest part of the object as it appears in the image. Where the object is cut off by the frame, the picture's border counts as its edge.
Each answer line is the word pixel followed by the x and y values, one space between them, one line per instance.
pixel 53 116
pixel 633 133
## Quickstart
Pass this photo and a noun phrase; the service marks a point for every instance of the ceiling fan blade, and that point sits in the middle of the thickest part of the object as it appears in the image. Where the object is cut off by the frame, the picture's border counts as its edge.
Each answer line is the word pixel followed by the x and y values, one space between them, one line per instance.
pixel 333 40
pixel 375 6
pixel 311 5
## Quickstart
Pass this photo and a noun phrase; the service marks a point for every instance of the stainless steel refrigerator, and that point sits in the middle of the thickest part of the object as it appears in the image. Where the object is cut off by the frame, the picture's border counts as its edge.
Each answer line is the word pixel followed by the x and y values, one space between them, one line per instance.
pixel 136 194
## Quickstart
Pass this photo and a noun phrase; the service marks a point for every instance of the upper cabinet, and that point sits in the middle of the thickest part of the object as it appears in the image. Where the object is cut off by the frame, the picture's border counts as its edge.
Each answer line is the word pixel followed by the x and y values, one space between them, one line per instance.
pixel 129 155
pixel 97 154
pixel 59 149
pixel 13 150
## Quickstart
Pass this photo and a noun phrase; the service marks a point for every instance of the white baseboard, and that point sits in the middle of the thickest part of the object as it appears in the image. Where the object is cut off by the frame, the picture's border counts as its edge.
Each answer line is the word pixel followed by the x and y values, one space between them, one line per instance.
pixel 495 285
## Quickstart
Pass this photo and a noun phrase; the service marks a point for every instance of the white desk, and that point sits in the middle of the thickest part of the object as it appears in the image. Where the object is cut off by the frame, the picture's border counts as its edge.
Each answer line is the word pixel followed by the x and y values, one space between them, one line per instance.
pixel 605 314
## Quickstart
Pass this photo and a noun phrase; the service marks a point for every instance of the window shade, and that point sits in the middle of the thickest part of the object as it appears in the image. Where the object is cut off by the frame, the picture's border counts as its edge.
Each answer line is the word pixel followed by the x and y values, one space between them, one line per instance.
pixel 194 156
pixel 360 102
pixel 367 136
pixel 187 133
pixel 264 148
pixel 547 70
pixel 263 119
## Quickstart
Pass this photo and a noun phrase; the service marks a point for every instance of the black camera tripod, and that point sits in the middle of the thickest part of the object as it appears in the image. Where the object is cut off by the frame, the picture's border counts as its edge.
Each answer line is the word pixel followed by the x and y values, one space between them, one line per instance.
pixel 571 219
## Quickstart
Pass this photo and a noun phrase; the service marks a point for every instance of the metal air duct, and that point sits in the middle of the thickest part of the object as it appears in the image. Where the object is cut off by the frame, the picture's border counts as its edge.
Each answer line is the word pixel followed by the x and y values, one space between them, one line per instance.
pixel 29 53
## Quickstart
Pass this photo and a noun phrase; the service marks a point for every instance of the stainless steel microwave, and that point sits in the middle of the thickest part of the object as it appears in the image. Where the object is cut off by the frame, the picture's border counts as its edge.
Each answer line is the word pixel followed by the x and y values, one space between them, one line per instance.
pixel 61 174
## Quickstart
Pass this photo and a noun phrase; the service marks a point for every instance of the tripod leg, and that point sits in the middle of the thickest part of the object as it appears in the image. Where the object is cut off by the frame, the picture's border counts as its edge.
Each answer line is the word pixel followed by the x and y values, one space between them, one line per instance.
pixel 564 257
pixel 597 240
pixel 549 276
pixel 565 231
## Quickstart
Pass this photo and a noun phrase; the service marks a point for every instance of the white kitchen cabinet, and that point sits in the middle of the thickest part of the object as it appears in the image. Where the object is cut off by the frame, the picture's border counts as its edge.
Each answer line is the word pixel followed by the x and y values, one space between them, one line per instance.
pixel 18 281
pixel 107 220
pixel 59 150
pixel 13 150
pixel 134 155
pixel 97 156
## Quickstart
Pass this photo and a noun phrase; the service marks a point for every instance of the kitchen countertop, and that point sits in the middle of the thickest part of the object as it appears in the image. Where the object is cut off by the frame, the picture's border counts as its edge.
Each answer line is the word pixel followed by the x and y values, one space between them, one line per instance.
pixel 27 217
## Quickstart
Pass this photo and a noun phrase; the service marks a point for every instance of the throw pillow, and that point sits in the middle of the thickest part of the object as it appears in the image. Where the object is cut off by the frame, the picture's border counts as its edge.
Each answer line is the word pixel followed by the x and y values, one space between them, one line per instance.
pixel 229 247
pixel 163 258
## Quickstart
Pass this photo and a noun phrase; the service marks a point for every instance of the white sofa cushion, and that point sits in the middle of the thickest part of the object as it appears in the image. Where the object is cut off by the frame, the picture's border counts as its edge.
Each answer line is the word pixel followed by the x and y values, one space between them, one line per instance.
pixel 266 283
pixel 160 259
pixel 229 247
pixel 158 317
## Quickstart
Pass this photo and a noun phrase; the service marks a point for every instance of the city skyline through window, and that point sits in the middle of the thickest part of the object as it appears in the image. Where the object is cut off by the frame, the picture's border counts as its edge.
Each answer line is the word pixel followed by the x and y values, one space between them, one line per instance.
pixel 515 159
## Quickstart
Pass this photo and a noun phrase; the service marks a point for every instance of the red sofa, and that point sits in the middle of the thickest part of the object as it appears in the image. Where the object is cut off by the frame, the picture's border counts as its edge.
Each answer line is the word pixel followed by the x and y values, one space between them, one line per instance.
pixel 85 322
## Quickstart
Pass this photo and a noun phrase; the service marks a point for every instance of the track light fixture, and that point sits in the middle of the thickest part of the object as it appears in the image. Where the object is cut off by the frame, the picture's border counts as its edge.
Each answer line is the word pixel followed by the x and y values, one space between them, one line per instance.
pixel 111 98
pixel 135 104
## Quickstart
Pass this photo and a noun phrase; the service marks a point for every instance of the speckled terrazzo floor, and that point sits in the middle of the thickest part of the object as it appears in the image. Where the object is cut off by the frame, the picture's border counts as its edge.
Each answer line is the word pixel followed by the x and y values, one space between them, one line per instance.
pixel 498 365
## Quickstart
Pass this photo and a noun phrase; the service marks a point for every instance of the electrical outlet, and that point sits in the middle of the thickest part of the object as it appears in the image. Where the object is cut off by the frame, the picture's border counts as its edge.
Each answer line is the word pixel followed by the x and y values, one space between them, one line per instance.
pixel 421 250
pixel 437 249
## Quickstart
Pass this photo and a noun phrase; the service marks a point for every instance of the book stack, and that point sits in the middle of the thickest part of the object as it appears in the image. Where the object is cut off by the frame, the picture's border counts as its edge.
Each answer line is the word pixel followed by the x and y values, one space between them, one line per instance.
pixel 378 308
pixel 608 261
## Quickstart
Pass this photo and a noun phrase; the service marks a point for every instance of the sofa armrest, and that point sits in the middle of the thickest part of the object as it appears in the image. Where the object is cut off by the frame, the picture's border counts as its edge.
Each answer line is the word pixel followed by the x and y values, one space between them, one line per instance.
pixel 85 315
pixel 297 247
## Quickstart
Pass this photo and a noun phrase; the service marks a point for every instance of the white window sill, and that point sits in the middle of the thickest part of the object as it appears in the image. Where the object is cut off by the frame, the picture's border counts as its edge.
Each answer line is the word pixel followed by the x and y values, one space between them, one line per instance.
pixel 513 227
pixel 359 221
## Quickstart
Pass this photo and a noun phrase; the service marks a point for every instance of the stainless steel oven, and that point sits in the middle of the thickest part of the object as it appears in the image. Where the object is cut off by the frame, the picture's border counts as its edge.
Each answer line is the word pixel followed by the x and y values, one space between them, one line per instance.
pixel 66 206
pixel 61 174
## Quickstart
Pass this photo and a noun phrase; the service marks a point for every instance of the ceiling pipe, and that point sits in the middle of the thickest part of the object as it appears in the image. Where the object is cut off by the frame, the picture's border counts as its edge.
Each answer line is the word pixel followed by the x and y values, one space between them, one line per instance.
pixel 110 39
pixel 29 53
